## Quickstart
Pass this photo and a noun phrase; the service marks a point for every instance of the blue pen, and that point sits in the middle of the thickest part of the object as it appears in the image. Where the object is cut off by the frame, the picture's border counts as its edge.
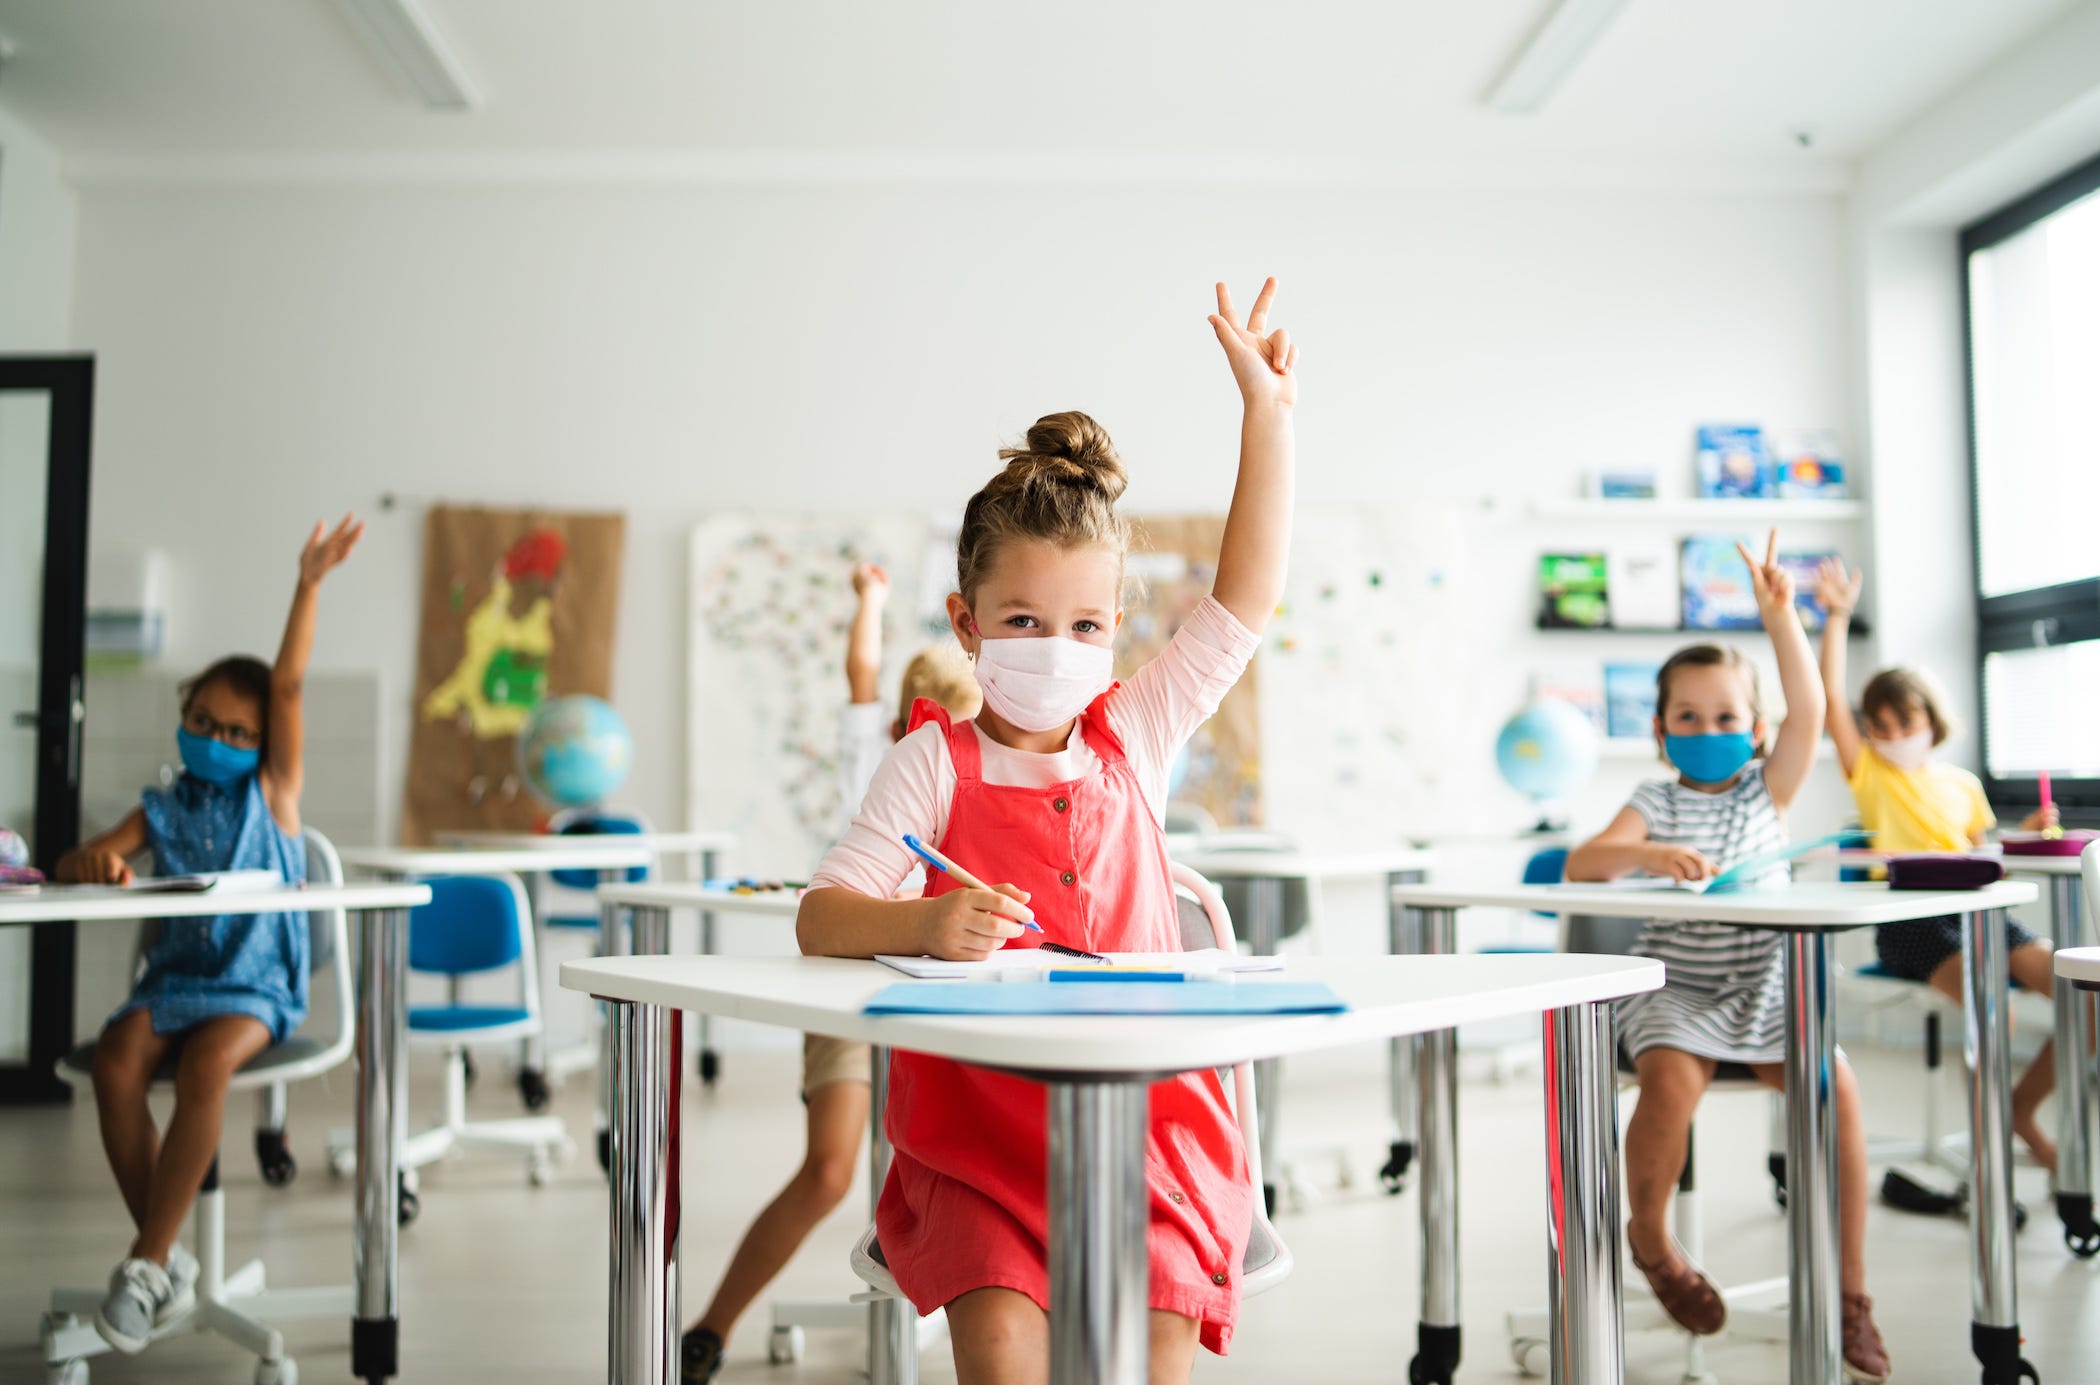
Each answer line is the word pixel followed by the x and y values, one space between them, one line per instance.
pixel 942 863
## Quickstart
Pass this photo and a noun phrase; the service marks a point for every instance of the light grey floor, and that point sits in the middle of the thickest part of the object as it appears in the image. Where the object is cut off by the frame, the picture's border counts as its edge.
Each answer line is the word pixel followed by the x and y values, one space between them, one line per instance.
pixel 505 1282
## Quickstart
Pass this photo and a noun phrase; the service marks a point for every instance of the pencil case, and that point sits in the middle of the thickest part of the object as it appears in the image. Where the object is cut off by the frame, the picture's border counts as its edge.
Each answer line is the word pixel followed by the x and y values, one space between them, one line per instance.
pixel 2070 843
pixel 1937 872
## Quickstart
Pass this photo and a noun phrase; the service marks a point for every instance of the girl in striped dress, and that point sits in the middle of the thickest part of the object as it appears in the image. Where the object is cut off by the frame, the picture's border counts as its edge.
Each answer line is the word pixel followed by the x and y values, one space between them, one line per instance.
pixel 1723 1000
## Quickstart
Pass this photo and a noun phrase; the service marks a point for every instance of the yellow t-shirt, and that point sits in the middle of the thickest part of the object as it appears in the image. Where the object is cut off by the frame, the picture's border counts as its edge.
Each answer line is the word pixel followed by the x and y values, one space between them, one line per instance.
pixel 1935 807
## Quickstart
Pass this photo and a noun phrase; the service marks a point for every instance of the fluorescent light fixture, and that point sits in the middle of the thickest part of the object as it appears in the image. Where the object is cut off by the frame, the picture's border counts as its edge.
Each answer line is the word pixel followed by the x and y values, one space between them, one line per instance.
pixel 1560 42
pixel 408 45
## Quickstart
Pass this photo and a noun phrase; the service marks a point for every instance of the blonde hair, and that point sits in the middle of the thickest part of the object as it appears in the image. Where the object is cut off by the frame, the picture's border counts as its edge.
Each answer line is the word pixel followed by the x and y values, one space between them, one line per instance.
pixel 1897 689
pixel 1712 656
pixel 942 673
pixel 1060 488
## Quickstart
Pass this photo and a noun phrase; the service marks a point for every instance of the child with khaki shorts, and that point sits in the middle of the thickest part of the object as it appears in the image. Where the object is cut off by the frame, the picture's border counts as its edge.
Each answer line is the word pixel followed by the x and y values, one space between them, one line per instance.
pixel 835 1073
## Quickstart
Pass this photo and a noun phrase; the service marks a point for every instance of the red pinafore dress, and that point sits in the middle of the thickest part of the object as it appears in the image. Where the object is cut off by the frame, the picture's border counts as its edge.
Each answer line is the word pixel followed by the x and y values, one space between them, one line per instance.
pixel 965 1204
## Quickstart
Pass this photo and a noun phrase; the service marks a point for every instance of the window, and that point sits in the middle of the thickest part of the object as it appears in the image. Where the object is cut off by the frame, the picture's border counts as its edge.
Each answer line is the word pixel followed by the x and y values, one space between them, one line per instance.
pixel 2031 292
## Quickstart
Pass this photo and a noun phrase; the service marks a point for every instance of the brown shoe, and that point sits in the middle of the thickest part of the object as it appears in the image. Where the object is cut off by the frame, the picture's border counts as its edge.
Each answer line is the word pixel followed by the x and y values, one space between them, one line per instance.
pixel 1685 1292
pixel 1866 1359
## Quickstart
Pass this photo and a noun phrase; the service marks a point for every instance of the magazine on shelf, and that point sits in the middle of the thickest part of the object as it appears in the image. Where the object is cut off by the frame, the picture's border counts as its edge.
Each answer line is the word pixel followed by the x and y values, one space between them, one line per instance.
pixel 1629 701
pixel 1642 580
pixel 1733 462
pixel 1807 464
pixel 1718 594
pixel 1573 592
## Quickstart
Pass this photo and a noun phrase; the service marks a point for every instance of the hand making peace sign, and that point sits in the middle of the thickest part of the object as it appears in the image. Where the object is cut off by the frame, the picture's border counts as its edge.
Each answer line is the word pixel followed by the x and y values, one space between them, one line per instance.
pixel 1265 366
pixel 1774 584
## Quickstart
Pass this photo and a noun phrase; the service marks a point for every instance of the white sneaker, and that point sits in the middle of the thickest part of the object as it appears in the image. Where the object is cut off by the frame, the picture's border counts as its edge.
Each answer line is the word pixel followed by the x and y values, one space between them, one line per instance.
pixel 138 1292
pixel 182 1278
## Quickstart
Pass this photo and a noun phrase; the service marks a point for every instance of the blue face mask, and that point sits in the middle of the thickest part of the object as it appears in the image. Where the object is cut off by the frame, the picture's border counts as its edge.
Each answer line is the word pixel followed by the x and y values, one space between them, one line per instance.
pixel 1711 759
pixel 212 760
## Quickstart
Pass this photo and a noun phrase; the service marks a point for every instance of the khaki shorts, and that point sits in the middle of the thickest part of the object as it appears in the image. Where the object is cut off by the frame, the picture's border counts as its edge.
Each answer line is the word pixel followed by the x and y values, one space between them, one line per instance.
pixel 826 1060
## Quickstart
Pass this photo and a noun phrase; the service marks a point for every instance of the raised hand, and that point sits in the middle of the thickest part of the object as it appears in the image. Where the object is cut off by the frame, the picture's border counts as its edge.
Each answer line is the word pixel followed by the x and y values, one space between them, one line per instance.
pixel 1837 591
pixel 1263 362
pixel 325 551
pixel 870 581
pixel 1774 584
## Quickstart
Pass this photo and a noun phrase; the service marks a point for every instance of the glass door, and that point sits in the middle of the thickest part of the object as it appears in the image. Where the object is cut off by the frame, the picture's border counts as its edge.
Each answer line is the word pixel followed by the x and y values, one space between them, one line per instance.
pixel 45 406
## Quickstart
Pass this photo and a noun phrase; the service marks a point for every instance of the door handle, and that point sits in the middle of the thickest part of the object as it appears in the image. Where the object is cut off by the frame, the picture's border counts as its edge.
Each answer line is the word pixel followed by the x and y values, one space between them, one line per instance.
pixel 29 719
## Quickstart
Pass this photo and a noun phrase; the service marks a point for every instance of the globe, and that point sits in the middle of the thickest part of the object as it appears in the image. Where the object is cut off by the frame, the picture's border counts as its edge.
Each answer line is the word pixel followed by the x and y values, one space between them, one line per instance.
pixel 1548 750
pixel 575 751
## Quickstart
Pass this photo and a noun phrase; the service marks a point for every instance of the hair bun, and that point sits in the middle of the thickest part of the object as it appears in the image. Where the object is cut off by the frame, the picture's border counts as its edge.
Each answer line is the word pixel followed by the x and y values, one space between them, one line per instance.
pixel 1071 448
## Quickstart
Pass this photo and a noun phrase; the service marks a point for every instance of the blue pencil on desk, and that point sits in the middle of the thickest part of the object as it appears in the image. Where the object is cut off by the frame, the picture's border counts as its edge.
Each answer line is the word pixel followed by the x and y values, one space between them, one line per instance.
pixel 962 877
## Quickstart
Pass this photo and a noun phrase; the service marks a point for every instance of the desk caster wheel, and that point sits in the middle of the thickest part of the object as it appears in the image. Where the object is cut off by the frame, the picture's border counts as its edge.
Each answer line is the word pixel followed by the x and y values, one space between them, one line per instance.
pixel 532 1086
pixel 467 1069
pixel 411 1205
pixel 710 1066
pixel 1530 1355
pixel 275 1157
pixel 605 1151
pixel 66 1373
pixel 539 1170
pixel 784 1347
pixel 283 1371
pixel 2081 1232
pixel 1436 1355
pixel 342 1162
pixel 1393 1173
pixel 1998 1350
pixel 1775 1164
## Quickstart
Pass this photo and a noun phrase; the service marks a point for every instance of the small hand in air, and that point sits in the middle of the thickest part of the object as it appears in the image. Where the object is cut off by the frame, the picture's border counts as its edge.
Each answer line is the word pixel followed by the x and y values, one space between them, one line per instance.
pixel 324 551
pixel 870 582
pixel 1774 583
pixel 1836 589
pixel 1264 365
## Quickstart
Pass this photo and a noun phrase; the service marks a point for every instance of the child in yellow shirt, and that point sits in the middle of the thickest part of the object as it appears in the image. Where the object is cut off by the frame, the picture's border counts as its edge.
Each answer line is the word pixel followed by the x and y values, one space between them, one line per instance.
pixel 1912 802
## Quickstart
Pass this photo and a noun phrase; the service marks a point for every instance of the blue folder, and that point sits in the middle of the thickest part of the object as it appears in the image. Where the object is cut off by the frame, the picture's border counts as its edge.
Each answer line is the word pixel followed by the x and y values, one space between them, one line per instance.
pixel 1105 998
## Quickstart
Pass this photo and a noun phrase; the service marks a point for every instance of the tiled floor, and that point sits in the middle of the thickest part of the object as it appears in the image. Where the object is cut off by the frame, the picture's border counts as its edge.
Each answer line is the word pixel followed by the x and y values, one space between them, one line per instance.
pixel 505 1282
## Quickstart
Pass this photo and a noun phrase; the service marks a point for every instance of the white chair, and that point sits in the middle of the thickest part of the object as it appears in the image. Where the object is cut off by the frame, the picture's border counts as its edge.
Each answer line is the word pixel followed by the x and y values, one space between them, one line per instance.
pixel 472 925
pixel 237 1305
pixel 1756 1311
pixel 1205 922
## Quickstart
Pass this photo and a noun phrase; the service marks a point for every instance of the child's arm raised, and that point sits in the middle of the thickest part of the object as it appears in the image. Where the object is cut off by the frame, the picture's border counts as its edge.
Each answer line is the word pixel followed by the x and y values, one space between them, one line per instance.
pixel 871 587
pixel 1786 769
pixel 285 774
pixel 1257 541
pixel 1837 591
pixel 1624 847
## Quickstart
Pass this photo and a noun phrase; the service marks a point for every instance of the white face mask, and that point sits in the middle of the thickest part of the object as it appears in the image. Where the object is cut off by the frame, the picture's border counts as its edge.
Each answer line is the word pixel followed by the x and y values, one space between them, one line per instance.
pixel 1906 752
pixel 1038 683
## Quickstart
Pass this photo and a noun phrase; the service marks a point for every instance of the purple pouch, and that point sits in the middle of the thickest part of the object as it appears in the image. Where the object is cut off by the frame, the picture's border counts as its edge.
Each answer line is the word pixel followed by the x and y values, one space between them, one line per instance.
pixel 1944 872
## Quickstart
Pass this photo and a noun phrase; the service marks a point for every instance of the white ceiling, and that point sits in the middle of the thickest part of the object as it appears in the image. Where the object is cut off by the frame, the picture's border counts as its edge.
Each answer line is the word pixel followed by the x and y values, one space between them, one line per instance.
pixel 137 84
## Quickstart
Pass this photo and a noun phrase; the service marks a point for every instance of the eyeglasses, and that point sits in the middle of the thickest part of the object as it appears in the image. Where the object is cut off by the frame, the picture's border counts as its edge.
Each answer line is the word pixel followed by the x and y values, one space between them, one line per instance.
pixel 201 723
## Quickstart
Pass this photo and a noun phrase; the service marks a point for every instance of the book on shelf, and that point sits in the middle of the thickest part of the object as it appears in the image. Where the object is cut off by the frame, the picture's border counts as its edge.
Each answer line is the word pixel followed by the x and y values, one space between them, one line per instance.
pixel 1733 462
pixel 1629 700
pixel 1573 592
pixel 1623 483
pixel 1807 464
pixel 1718 594
pixel 1642 582
pixel 1803 564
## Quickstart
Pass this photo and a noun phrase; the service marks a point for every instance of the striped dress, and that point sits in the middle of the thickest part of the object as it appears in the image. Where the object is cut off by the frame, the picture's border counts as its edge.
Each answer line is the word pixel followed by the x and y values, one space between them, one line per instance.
pixel 1723 996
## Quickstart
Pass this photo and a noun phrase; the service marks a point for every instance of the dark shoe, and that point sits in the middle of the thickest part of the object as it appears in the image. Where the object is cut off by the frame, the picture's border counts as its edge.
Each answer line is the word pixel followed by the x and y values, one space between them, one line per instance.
pixel 1684 1291
pixel 699 1357
pixel 1866 1359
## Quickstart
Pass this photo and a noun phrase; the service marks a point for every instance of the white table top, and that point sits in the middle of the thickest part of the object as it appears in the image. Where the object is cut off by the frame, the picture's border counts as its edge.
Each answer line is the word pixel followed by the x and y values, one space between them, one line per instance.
pixel 587 853
pixel 1220 860
pixel 1801 905
pixel 2014 865
pixel 1387 996
pixel 2079 964
pixel 662 843
pixel 59 902
pixel 688 895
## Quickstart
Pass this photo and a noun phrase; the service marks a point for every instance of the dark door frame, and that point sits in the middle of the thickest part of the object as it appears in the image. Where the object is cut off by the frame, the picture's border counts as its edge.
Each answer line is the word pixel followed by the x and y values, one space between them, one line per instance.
pixel 70 383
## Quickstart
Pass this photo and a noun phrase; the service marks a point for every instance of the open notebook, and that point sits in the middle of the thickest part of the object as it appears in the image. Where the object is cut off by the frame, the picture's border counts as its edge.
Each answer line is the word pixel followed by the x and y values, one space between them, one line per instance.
pixel 1737 877
pixel 1022 963
pixel 215 882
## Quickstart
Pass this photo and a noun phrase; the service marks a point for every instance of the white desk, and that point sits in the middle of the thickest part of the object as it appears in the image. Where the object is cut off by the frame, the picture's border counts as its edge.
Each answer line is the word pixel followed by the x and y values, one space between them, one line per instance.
pixel 382 1076
pixel 1268 867
pixel 1808 914
pixel 1097 1070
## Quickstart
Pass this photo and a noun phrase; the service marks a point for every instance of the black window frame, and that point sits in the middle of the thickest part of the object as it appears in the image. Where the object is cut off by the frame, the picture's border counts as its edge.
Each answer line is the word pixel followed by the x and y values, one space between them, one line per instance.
pixel 2068 612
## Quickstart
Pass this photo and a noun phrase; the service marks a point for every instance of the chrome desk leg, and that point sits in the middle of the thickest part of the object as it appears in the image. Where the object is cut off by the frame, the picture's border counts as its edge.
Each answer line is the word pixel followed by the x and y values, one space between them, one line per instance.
pixel 645 1041
pixel 1814 1345
pixel 1584 1294
pixel 1436 1090
pixel 1265 937
pixel 2075 1095
pixel 1994 1326
pixel 1401 939
pixel 710 1062
pixel 1100 1320
pixel 382 1102
pixel 893 1324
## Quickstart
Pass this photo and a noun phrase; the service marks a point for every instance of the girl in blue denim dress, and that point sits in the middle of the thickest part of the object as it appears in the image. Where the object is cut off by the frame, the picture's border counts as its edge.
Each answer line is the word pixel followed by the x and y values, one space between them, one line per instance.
pixel 215 992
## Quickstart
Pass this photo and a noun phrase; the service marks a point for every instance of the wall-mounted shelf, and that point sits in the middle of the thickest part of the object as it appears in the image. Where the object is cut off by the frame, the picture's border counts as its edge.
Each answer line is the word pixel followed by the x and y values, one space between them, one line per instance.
pixel 1718 513
pixel 1860 630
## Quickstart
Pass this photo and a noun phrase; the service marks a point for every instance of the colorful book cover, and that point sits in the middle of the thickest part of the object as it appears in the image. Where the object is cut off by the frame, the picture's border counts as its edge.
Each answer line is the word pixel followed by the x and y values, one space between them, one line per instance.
pixel 1572 591
pixel 1629 700
pixel 1733 463
pixel 1803 565
pixel 1807 464
pixel 1717 590
pixel 1642 579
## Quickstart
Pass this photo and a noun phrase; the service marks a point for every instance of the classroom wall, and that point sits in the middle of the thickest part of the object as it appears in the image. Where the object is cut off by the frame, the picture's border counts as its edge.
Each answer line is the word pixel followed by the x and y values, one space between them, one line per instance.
pixel 272 353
